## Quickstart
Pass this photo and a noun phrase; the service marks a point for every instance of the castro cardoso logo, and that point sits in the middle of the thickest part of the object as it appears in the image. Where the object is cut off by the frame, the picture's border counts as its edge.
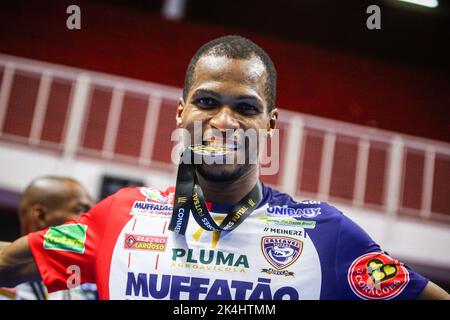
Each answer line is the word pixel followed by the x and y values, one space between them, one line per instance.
pixel 209 260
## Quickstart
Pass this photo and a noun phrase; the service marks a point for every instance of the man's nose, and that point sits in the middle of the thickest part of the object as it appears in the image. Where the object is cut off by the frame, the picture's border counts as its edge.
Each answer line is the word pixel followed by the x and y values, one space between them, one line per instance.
pixel 224 119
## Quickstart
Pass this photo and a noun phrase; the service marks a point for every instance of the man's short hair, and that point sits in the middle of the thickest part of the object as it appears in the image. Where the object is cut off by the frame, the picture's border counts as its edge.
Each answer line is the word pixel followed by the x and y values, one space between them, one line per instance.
pixel 235 47
pixel 46 190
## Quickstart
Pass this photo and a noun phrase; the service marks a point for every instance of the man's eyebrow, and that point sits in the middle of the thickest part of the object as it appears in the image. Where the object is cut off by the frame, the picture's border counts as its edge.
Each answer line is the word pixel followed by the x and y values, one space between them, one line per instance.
pixel 206 91
pixel 215 94
pixel 249 97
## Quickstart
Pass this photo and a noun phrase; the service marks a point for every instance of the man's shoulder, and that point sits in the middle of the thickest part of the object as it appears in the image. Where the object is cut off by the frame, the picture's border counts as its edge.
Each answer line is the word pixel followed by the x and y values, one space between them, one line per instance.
pixel 149 194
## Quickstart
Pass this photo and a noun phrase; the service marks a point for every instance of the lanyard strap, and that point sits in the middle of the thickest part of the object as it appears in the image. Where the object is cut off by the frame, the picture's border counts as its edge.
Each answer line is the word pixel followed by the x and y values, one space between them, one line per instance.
pixel 183 198
pixel 189 197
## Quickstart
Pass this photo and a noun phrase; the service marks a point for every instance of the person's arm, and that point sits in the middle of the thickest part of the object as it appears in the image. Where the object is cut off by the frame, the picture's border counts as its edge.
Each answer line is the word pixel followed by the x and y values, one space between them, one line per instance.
pixel 433 292
pixel 367 272
pixel 17 264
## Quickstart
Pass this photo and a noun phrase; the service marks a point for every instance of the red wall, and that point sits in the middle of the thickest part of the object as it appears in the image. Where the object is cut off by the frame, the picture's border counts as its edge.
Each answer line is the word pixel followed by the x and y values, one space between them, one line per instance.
pixel 137 44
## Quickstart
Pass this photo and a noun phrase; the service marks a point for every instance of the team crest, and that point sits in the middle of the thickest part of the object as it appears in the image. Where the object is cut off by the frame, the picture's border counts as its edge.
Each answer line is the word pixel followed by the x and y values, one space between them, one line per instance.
pixel 281 252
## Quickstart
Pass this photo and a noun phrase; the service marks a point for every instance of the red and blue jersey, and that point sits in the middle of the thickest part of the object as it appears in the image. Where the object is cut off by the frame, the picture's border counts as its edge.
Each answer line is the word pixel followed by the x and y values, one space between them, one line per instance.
pixel 284 250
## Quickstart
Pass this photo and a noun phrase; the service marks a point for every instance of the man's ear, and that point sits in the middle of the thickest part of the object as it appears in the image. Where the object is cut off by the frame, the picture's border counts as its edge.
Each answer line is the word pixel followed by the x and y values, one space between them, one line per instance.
pixel 273 117
pixel 179 115
pixel 39 216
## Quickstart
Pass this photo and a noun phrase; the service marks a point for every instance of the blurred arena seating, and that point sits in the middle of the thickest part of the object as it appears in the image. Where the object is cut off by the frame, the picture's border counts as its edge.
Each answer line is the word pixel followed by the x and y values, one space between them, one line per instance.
pixel 61 120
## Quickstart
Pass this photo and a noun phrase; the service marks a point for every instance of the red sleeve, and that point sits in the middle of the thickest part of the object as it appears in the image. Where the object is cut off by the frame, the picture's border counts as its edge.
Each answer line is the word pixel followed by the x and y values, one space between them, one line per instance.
pixel 72 244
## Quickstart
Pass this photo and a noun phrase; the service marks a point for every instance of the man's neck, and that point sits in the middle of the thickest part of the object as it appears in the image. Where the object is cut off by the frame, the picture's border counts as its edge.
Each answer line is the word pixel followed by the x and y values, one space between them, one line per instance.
pixel 229 192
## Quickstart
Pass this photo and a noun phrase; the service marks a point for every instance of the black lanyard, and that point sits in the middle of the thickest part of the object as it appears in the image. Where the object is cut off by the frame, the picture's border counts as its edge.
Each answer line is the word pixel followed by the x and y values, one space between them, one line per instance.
pixel 38 290
pixel 189 197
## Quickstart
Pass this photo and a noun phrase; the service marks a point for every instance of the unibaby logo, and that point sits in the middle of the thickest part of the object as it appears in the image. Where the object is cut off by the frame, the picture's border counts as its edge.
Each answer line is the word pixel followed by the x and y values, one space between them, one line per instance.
pixel 377 276
pixel 149 209
pixel 144 242
pixel 280 252
pixel 209 260
pixel 285 211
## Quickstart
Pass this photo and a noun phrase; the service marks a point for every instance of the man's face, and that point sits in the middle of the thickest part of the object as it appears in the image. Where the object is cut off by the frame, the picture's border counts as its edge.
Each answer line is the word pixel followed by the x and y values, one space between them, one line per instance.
pixel 79 202
pixel 226 94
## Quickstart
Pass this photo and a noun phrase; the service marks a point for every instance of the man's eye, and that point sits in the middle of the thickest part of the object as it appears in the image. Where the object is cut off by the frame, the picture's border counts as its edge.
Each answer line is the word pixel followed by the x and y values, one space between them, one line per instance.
pixel 207 102
pixel 247 108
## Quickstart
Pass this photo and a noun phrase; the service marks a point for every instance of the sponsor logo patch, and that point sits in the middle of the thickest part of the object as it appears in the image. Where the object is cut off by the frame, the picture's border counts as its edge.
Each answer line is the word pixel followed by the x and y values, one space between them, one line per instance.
pixel 69 237
pixel 309 202
pixel 377 276
pixel 155 196
pixel 280 252
pixel 287 232
pixel 285 211
pixel 149 209
pixel 174 287
pixel 144 242
pixel 209 260
pixel 289 222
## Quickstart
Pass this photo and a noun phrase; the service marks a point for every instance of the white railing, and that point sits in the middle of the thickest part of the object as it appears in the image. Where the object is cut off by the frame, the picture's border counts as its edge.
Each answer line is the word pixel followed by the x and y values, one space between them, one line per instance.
pixel 321 158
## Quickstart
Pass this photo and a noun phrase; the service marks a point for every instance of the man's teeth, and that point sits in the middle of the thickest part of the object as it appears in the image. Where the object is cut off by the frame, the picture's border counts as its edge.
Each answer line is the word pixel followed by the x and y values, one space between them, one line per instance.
pixel 221 146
